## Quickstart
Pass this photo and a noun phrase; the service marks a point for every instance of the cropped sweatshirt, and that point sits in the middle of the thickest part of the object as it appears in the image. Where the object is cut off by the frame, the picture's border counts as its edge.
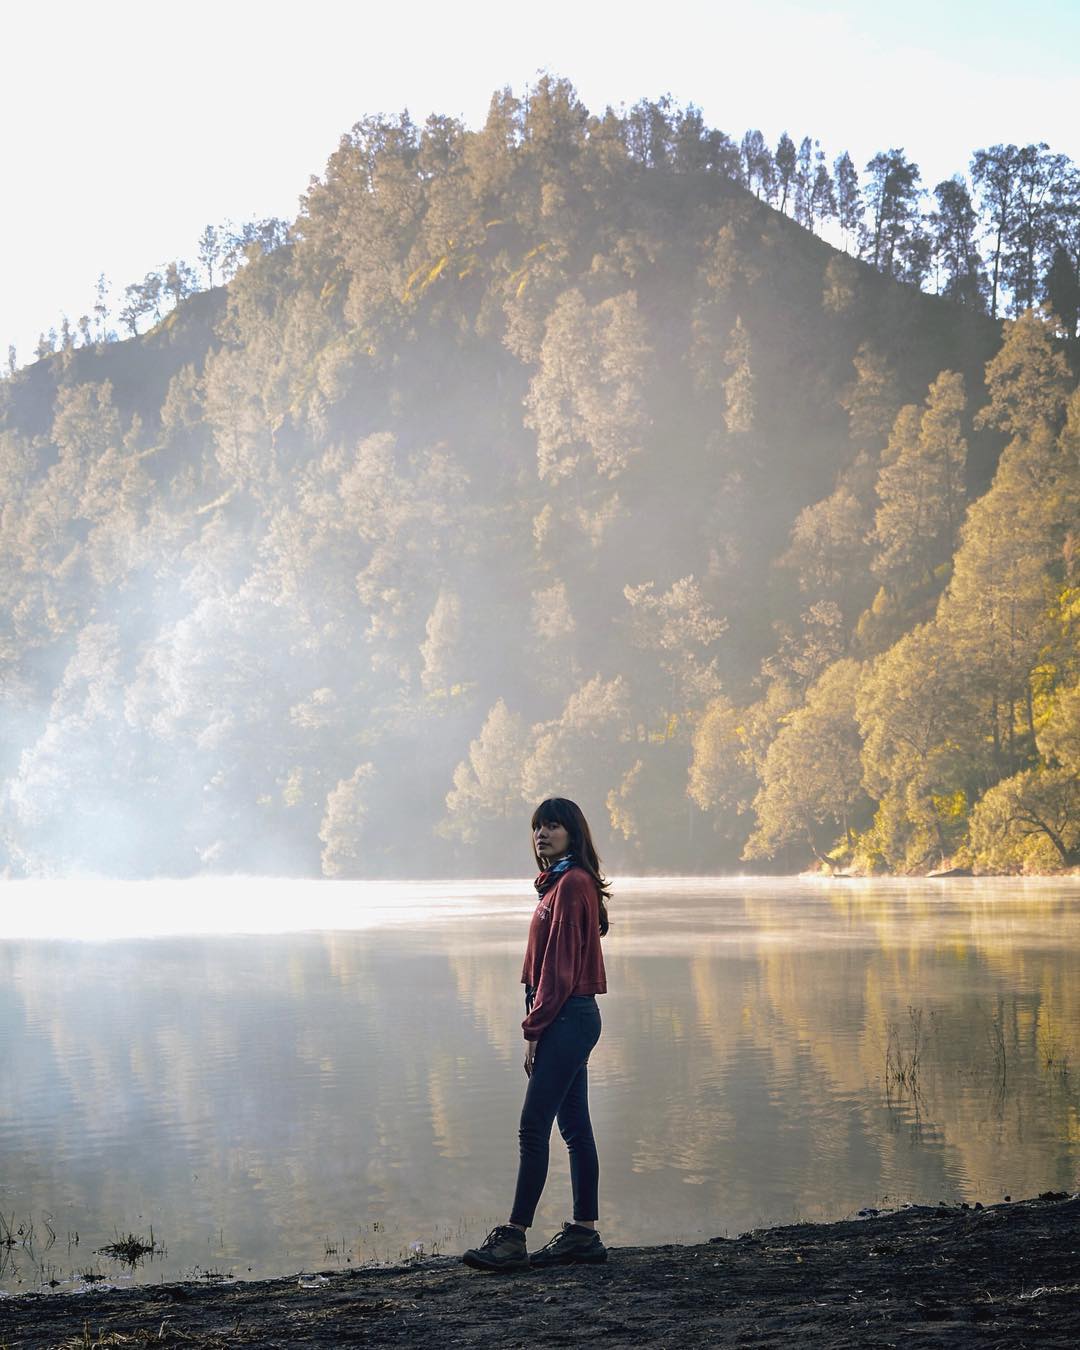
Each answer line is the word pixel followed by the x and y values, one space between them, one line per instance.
pixel 563 956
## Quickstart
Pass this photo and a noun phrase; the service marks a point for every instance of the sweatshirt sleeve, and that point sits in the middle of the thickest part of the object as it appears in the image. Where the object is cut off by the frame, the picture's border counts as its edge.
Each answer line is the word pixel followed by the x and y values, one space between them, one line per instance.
pixel 561 965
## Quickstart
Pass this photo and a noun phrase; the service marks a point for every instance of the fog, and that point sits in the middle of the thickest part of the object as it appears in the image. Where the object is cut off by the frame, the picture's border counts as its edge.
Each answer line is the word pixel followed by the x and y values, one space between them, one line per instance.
pixel 554 457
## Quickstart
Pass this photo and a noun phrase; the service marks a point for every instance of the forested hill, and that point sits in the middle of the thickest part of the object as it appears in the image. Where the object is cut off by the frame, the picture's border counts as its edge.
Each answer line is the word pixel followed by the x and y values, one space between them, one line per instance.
pixel 531 463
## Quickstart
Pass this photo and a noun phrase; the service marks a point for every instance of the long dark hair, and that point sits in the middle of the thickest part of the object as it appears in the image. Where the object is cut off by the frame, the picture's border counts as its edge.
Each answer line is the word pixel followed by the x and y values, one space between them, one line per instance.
pixel 562 811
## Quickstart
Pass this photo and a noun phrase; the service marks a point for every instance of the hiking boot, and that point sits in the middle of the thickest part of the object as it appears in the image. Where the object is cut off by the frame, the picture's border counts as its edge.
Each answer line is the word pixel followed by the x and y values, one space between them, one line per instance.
pixel 571 1246
pixel 502 1249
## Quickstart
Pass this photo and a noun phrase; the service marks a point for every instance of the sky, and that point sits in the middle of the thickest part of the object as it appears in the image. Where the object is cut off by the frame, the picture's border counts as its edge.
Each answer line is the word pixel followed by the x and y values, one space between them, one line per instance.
pixel 127 127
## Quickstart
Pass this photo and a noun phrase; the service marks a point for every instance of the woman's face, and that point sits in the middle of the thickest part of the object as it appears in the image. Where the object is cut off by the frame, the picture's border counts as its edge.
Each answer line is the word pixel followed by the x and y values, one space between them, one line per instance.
pixel 551 841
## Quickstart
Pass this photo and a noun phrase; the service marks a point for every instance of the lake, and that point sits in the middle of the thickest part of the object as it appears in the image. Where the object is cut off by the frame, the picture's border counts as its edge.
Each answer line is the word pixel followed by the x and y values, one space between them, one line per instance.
pixel 280 1076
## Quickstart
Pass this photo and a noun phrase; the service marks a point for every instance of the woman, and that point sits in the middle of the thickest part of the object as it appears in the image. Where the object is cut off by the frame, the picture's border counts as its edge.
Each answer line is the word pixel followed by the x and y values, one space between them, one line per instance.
pixel 563 972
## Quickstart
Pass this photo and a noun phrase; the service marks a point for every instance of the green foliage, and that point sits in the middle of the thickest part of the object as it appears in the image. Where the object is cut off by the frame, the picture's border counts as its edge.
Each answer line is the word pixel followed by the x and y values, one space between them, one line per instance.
pixel 487 784
pixel 828 552
pixel 1059 739
pixel 812 776
pixel 1028 380
pixel 920 486
pixel 681 628
pixel 922 746
pixel 585 403
pixel 892 196
pixel 722 774
pixel 739 386
pixel 1029 822
pixel 999 606
pixel 841 285
pixel 470 485
pixel 872 400
pixel 954 227
pixel 342 826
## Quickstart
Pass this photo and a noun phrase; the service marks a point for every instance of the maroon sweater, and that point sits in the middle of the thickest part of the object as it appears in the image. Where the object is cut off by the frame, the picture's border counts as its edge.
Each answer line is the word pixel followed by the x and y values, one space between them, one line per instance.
pixel 563 956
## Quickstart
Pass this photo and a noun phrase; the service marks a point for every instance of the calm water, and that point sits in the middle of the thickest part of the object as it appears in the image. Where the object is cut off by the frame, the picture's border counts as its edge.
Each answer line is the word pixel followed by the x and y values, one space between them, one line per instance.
pixel 287 1100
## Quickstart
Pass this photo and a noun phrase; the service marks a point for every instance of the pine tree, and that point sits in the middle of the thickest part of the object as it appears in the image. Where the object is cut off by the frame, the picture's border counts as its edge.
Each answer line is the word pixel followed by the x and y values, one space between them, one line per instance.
pixel 1061 287
pixel 920 486
pixel 690 141
pixel 893 197
pixel 812 776
pixel 922 747
pixel 953 226
pixel 757 164
pixel 739 386
pixel 342 828
pixel 649 132
pixel 785 161
pixel 995 173
pixel 101 309
pixel 487 783
pixel 1065 228
pixel 822 192
pixel 1027 380
pixel 848 199
pixel 872 400
pixel 804 182
pixel 1032 233
pixel 721 774
pixel 178 281
pixel 209 252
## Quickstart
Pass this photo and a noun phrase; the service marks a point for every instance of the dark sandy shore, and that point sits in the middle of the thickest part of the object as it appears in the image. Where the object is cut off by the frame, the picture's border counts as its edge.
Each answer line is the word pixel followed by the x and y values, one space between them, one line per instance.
pixel 1006 1276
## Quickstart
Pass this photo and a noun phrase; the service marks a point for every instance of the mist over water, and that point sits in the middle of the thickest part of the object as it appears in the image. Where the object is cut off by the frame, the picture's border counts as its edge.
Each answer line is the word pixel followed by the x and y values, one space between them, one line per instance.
pixel 104 910
pixel 344 1080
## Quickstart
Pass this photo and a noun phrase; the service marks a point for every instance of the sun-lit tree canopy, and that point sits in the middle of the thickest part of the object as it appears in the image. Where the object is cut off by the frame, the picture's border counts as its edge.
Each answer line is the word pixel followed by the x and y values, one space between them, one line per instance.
pixel 567 455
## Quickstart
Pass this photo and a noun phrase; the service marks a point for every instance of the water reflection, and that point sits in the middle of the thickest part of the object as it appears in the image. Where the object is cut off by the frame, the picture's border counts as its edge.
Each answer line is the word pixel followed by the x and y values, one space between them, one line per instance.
pixel 772 1050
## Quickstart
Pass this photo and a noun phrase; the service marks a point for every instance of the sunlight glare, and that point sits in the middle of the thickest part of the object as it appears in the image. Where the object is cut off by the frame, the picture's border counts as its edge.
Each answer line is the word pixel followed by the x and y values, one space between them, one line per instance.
pixel 104 910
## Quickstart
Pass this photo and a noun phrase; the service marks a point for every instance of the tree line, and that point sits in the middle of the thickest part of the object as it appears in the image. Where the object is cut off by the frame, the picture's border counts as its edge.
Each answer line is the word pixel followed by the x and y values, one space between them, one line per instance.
pixel 530 461
pixel 221 250
pixel 943 725
pixel 1002 239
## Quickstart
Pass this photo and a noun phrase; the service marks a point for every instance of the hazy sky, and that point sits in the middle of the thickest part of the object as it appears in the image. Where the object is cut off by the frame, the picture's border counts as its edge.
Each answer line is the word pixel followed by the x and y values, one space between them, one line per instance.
pixel 129 126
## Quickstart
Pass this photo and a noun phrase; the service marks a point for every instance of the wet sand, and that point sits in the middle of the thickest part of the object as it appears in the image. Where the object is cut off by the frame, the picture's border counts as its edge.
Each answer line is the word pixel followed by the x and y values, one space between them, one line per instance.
pixel 1005 1276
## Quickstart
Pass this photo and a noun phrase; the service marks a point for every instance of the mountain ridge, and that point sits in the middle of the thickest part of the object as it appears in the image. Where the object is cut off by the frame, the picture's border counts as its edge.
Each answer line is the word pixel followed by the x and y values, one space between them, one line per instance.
pixel 478 488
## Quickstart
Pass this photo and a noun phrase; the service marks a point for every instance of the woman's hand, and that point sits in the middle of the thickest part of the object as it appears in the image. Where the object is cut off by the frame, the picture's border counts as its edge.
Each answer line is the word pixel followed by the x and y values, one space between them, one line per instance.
pixel 530 1057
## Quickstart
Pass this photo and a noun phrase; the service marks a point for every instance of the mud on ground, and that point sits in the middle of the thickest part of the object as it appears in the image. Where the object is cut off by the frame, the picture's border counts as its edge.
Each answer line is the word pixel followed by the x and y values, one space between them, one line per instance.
pixel 1006 1276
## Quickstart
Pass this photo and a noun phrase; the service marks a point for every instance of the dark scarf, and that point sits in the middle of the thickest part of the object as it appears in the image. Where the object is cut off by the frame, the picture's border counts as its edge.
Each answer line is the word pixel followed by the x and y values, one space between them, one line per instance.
pixel 550 875
pixel 543 883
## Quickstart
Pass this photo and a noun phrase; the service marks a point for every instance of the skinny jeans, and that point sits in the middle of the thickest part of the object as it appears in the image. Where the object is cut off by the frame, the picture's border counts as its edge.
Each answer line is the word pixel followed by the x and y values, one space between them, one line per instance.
pixel 559 1089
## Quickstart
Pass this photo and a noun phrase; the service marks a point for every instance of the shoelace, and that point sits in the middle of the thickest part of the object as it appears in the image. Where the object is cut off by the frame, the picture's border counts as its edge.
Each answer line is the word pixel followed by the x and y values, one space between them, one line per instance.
pixel 494 1237
pixel 562 1234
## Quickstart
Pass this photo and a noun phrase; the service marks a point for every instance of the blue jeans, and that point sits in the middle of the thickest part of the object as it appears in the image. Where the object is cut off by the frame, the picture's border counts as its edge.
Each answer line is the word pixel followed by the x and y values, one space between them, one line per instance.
pixel 559 1088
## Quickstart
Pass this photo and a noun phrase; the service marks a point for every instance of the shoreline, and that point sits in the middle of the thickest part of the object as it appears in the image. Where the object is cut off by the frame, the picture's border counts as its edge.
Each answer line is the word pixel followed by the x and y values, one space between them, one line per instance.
pixel 948 1276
